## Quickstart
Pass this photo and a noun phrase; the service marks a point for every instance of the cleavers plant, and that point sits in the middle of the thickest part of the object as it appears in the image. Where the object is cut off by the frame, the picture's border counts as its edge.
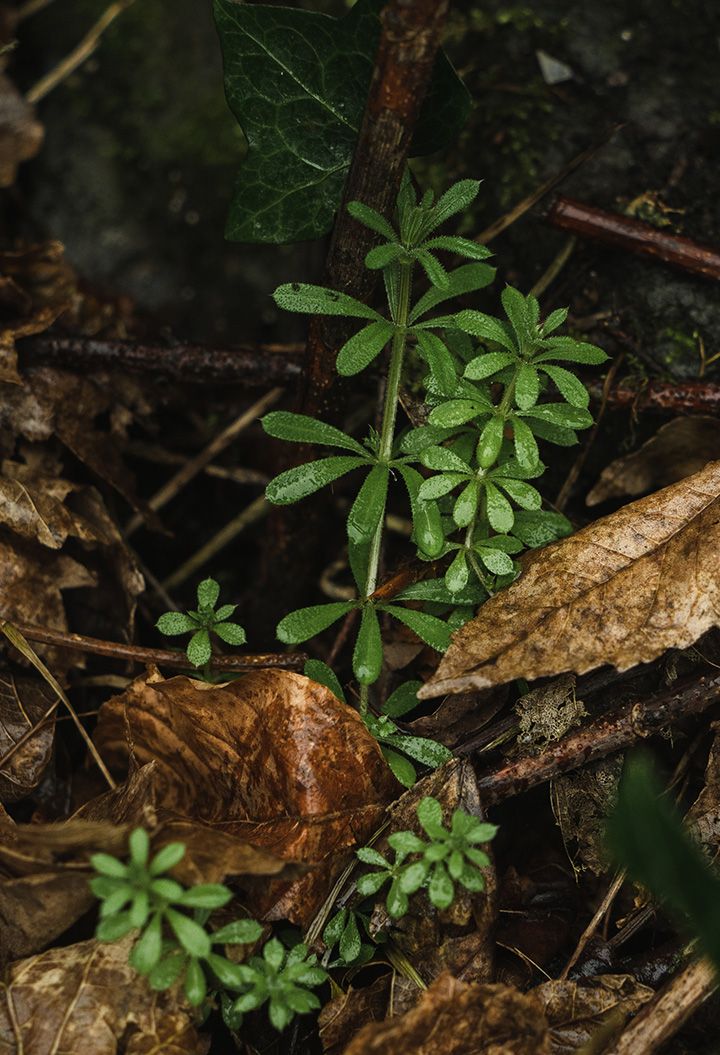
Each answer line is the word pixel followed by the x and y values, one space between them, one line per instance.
pixel 493 388
pixel 201 623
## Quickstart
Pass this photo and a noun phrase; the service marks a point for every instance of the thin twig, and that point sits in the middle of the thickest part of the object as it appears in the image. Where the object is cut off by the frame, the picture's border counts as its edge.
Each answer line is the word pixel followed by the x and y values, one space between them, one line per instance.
pixel 196 465
pixel 555 267
pixel 592 926
pixel 245 518
pixel 30 8
pixel 79 54
pixel 16 638
pixel 159 657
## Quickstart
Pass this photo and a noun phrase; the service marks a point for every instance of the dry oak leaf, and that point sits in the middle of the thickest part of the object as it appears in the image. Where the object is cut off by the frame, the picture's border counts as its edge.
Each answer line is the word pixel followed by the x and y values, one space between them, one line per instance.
pixel 33 506
pixel 272 758
pixel 453 1018
pixel 678 449
pixel 577 1010
pixel 621 591
pixel 23 702
pixel 86 999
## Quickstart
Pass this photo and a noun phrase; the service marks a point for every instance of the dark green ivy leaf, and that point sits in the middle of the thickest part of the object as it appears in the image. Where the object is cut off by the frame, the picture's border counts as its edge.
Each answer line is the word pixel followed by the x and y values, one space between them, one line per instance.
pixel 297 82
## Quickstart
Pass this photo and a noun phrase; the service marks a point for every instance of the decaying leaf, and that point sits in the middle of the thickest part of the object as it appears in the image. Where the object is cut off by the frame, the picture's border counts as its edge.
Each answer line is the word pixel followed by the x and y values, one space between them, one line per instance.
pixel 21 134
pixel 582 802
pixel 703 817
pixel 546 714
pixel 23 702
pixel 274 758
pixel 346 1013
pixel 33 506
pixel 87 998
pixel 578 1011
pixel 621 591
pixel 453 1018
pixel 678 449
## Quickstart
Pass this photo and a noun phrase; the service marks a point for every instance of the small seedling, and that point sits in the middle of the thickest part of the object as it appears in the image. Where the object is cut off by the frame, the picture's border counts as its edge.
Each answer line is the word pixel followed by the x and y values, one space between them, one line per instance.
pixel 283 979
pixel 203 622
pixel 450 856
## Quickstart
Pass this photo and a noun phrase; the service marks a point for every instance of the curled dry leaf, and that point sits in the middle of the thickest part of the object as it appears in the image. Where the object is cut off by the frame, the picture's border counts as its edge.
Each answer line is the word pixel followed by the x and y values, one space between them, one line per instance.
pixel 273 758
pixel 703 817
pixel 453 1018
pixel 621 591
pixel 581 803
pixel 23 702
pixel 678 449
pixel 33 506
pixel 345 1014
pixel 579 1011
pixel 86 998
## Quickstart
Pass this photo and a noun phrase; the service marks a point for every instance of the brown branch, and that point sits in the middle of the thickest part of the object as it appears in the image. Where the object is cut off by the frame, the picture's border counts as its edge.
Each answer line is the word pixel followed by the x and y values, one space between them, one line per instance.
pixel 669 1010
pixel 613 732
pixel 634 236
pixel 160 657
pixel 409 40
pixel 246 364
pixel 677 397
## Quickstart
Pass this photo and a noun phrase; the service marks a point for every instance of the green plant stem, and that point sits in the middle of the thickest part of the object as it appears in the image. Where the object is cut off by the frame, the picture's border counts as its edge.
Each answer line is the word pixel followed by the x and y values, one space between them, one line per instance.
pixel 387 431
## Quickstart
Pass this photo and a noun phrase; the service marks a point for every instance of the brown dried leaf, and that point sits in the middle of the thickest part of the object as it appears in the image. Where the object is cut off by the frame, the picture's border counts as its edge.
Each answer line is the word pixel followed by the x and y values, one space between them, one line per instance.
pixel 453 1018
pixel 23 702
pixel 621 591
pixel 274 758
pixel 21 135
pixel 33 506
pixel 703 817
pixel 678 449
pixel 85 999
pixel 581 803
pixel 578 1011
pixel 343 1016
pixel 546 714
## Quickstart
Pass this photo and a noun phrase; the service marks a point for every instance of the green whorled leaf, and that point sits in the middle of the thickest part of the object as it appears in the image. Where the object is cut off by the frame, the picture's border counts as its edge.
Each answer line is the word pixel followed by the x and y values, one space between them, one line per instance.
pixel 308 299
pixel 206 895
pixel 305 623
pixel 371 218
pixel 368 508
pixel 140 908
pixel 504 543
pixel 427 522
pixel 520 313
pixel 359 561
pixel 406 843
pixel 208 592
pixel 439 359
pixel 224 612
pixel 199 650
pixel 428 752
pixel 495 560
pixel 334 928
pixel 471 879
pixel 397 902
pixel 646 836
pixel 383 255
pixel 539 528
pixel 478 324
pixel 430 815
pixel 555 318
pixel 439 486
pixel 239 932
pixel 297 81
pixel 416 440
pixel 173 623
pixel 320 672
pixel 527 387
pixel 167 971
pixel 441 890
pixel 461 246
pixel 526 496
pixel 569 386
pixel 465 279
pixel 465 507
pixel 525 444
pixel 139 844
pixel 567 349
pixel 369 856
pixel 363 347
pixel 167 858
pixel 195 983
pixel 499 511
pixel 413 876
pixel 561 414
pixel 436 273
pixel 229 974
pixel 402 768
pixel 230 633
pixel 112 928
pixel 435 590
pixel 166 888
pixel 350 942
pixel 553 433
pixel 443 460
pixel 147 949
pixel 457 575
pixel 370 883
pixel 458 412
pixel 368 652
pixel 402 700
pixel 189 933
pixel 455 199
pixel 484 366
pixel 490 441
pixel 304 480
pixel 299 428
pixel 432 631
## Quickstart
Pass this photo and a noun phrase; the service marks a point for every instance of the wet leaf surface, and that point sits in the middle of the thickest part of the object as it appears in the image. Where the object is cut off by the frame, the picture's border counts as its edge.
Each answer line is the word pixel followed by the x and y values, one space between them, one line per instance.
pixel 620 591
pixel 596 1007
pixel 87 998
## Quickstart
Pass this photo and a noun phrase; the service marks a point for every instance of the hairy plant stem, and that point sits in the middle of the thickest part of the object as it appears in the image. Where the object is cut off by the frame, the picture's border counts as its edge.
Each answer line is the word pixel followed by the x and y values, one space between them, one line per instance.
pixel 387 430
